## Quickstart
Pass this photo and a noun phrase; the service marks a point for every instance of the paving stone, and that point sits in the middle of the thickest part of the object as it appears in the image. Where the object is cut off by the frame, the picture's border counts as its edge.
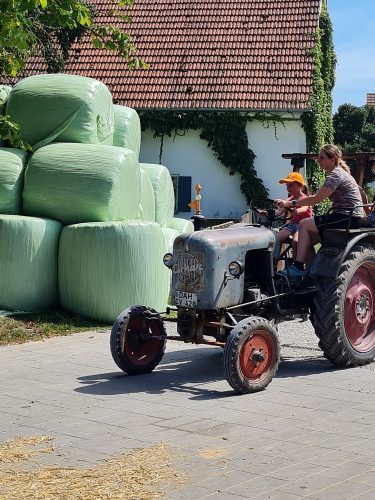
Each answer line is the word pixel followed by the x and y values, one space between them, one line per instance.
pixel 342 490
pixel 221 480
pixel 263 466
pixel 369 495
pixel 256 486
pixel 334 457
pixel 279 495
pixel 350 469
pixel 308 485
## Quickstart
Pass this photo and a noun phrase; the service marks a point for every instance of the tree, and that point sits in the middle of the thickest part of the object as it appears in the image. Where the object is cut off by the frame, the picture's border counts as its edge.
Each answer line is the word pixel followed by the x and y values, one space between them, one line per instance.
pixel 348 122
pixel 354 130
pixel 47 29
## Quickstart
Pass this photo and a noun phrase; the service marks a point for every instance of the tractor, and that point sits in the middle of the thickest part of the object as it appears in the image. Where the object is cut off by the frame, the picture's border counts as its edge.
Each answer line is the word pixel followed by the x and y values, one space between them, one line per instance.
pixel 227 291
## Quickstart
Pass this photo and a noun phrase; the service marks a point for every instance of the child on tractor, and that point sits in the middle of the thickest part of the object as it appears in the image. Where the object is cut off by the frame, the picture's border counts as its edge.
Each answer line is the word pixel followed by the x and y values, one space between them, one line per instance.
pixel 296 187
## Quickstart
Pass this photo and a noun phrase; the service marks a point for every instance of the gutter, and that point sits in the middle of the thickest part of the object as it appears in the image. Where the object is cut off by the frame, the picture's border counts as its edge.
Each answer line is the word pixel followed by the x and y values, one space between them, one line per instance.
pixel 226 110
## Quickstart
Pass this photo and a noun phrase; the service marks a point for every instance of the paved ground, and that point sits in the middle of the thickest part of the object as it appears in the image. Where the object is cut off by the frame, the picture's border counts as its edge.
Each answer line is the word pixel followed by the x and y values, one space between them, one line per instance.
pixel 310 434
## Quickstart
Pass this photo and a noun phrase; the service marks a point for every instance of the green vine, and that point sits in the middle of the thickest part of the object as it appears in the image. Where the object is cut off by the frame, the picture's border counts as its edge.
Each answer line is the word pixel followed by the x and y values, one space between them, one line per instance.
pixel 11 134
pixel 317 123
pixel 225 134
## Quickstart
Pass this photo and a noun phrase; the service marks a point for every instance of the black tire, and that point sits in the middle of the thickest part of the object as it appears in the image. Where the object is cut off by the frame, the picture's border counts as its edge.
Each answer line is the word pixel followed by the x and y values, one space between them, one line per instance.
pixel 132 347
pixel 251 355
pixel 344 318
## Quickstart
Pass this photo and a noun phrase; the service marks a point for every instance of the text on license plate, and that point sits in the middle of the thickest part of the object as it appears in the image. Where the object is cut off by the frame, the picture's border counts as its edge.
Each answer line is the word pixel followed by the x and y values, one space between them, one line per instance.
pixel 185 299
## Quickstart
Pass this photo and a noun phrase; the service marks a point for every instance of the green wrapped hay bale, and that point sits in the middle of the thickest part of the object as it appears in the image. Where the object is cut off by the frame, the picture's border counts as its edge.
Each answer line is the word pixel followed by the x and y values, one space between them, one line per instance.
pixel 127 132
pixel 76 183
pixel 163 191
pixel 106 267
pixel 181 225
pixel 12 163
pixel 175 227
pixel 169 237
pixel 28 263
pixel 63 108
pixel 146 209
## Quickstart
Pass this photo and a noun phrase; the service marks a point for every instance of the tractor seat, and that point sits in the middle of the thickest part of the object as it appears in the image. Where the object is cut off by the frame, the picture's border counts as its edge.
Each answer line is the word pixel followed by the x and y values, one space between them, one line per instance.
pixel 340 237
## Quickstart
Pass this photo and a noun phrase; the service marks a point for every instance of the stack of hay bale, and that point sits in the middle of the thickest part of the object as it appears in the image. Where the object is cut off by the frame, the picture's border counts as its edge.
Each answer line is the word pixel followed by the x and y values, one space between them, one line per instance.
pixel 82 223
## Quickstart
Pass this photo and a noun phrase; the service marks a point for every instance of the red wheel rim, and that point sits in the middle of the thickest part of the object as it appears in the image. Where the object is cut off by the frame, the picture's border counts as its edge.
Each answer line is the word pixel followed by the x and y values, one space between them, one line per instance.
pixel 257 355
pixel 138 347
pixel 359 315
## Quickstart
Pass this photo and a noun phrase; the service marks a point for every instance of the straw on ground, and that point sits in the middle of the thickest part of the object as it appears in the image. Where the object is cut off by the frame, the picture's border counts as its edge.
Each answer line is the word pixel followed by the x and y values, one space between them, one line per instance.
pixel 140 474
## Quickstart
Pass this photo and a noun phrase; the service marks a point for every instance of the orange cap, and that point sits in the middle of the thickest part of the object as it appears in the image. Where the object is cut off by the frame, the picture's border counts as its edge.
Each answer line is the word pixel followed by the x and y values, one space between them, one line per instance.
pixel 293 177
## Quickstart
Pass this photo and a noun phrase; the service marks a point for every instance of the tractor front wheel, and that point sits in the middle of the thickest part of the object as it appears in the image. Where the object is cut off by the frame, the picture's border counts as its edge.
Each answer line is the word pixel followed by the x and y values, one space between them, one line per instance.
pixel 251 355
pixel 344 319
pixel 138 340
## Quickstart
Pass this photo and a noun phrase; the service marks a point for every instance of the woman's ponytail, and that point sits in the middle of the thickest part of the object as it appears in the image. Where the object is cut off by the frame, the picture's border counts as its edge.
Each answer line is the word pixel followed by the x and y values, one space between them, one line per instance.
pixel 344 165
pixel 333 151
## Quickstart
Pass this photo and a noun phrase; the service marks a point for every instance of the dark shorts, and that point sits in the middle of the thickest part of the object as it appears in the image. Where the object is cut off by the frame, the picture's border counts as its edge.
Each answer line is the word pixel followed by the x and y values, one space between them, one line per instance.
pixel 335 221
pixel 291 227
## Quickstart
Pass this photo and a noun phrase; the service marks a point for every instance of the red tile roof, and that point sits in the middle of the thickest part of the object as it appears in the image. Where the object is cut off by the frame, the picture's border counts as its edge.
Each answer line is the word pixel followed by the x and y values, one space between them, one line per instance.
pixel 211 54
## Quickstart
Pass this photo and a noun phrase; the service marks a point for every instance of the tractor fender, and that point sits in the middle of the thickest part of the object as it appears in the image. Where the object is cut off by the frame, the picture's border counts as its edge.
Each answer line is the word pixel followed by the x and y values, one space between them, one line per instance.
pixel 368 237
pixel 329 259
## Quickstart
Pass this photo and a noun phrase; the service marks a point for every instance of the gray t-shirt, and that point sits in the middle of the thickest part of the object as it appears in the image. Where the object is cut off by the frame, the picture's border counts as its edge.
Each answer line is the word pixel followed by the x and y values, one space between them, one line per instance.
pixel 345 194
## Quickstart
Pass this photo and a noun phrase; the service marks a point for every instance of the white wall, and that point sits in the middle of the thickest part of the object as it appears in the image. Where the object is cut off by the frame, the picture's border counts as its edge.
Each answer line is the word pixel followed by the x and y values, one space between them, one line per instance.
pixel 189 155
pixel 269 143
pixel 221 195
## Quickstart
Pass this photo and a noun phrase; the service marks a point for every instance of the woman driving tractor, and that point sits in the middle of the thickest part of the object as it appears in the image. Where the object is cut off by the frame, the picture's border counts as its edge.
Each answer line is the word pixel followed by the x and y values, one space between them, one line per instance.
pixel 341 188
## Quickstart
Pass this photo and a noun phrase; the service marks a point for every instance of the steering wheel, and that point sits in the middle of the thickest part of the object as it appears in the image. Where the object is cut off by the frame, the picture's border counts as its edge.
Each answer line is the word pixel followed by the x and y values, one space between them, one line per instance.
pixel 265 212
pixel 259 205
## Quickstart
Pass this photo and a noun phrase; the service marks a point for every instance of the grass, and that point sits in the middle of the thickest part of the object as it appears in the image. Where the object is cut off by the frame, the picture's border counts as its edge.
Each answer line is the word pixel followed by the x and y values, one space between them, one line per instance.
pixel 23 327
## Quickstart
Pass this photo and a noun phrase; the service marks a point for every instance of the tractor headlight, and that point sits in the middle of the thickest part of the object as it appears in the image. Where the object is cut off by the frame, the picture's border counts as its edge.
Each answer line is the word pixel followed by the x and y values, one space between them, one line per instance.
pixel 235 269
pixel 168 260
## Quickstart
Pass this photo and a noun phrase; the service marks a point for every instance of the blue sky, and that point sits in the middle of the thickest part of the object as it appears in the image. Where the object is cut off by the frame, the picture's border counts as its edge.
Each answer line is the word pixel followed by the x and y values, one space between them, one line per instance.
pixel 354 38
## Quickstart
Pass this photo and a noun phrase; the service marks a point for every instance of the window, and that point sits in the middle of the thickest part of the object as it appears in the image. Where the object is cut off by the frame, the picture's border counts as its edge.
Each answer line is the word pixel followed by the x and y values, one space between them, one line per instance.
pixel 182 192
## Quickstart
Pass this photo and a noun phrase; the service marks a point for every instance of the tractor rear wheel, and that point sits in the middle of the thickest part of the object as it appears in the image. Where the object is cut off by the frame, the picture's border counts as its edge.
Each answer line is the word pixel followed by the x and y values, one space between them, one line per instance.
pixel 251 355
pixel 344 319
pixel 138 340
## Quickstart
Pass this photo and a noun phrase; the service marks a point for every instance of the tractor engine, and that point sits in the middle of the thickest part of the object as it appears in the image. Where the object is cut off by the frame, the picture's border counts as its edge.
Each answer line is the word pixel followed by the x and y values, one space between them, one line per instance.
pixel 218 268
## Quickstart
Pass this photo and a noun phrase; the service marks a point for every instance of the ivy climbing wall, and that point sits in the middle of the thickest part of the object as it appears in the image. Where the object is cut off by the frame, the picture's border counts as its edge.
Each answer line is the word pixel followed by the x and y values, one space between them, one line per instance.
pixel 318 122
pixel 231 171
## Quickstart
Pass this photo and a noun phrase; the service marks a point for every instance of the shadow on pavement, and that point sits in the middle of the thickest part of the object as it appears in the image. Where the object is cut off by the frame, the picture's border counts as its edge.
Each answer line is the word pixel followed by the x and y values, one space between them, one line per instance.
pixel 186 371
pixel 294 367
pixel 190 371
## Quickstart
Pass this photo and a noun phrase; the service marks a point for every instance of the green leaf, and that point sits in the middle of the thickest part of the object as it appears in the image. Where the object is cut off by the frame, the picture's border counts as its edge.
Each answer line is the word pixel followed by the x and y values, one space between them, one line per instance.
pixel 97 43
pixel 10 132
pixel 126 19
pixel 109 44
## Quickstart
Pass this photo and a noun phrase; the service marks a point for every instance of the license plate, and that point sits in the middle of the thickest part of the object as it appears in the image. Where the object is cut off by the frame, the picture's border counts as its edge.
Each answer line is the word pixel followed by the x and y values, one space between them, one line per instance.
pixel 185 299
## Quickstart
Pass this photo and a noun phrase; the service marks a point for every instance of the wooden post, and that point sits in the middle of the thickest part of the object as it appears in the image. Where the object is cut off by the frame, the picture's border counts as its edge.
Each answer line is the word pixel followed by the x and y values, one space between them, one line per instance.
pixel 359 175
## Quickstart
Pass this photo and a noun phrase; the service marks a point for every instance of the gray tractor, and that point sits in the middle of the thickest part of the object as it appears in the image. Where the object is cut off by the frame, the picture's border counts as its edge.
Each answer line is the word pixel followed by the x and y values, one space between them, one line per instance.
pixel 227 292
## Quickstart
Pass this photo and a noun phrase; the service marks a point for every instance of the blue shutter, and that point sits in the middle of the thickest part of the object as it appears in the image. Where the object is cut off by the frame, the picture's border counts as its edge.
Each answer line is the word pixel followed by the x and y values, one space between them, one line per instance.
pixel 184 193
